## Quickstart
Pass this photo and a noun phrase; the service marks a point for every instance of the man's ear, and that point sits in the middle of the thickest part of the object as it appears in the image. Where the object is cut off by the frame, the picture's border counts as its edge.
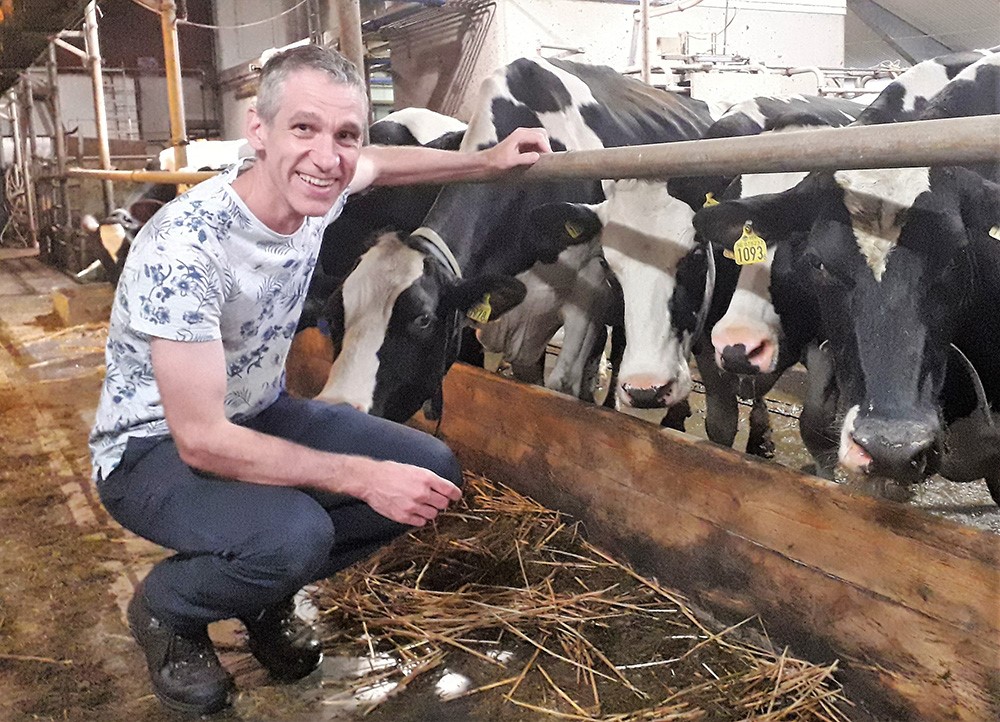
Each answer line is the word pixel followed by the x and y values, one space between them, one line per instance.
pixel 256 131
pixel 470 296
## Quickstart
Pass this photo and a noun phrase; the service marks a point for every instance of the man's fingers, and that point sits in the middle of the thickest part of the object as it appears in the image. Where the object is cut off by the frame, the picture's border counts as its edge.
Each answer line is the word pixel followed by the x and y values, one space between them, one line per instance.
pixel 446 488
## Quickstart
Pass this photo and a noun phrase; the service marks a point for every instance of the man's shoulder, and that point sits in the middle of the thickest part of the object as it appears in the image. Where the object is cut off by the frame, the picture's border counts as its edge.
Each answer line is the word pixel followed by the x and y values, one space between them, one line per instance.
pixel 207 209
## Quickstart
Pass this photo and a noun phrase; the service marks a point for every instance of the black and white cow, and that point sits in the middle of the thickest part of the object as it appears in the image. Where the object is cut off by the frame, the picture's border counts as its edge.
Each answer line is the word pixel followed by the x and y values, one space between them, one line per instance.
pixel 113 235
pixel 650 245
pixel 903 266
pixel 406 298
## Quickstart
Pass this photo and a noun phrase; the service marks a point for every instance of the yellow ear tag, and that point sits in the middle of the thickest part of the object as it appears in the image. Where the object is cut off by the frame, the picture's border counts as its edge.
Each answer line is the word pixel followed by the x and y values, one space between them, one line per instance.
pixel 572 230
pixel 481 311
pixel 995 232
pixel 749 249
pixel 710 200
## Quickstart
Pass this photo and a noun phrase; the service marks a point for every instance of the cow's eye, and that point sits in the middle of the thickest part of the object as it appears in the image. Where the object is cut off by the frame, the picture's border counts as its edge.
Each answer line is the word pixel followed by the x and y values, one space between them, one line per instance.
pixel 422 322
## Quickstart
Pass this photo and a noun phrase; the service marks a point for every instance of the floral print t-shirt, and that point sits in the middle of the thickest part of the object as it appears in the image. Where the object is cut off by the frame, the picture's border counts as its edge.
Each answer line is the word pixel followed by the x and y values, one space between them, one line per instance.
pixel 202 269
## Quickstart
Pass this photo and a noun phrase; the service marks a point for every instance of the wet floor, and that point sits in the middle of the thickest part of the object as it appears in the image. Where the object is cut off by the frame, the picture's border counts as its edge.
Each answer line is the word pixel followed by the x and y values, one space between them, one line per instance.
pixel 67 571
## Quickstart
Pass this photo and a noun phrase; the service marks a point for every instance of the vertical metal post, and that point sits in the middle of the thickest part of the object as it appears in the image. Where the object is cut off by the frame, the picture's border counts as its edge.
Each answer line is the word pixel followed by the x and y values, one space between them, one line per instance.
pixel 100 112
pixel 175 95
pixel 58 136
pixel 30 150
pixel 351 44
pixel 647 75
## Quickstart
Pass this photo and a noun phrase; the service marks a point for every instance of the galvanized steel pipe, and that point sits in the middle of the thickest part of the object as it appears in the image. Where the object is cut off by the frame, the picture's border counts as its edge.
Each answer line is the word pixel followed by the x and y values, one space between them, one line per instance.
pixel 951 141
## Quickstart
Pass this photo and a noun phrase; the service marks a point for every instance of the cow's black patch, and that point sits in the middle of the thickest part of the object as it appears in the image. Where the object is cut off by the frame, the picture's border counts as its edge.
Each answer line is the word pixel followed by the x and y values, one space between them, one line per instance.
pixel 957 62
pixel 536 87
pixel 508 116
pixel 389 132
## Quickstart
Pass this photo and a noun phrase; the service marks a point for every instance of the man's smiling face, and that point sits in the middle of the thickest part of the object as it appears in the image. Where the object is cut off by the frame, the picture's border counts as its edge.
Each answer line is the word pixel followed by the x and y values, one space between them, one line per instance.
pixel 309 152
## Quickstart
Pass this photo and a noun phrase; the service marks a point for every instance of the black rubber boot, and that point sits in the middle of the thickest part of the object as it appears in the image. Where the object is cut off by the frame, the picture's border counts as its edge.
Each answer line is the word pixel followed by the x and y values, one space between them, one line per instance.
pixel 285 644
pixel 185 671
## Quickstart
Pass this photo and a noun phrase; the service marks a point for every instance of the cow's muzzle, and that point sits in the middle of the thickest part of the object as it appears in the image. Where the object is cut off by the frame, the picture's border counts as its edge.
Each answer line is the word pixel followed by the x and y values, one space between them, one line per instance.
pixel 902 449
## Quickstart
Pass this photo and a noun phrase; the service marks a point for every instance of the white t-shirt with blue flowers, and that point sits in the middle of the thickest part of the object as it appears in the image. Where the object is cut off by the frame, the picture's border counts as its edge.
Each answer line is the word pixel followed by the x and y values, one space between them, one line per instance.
pixel 202 269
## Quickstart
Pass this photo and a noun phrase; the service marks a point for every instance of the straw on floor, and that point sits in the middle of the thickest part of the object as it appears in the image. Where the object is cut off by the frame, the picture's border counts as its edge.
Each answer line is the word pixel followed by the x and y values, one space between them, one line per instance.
pixel 508 590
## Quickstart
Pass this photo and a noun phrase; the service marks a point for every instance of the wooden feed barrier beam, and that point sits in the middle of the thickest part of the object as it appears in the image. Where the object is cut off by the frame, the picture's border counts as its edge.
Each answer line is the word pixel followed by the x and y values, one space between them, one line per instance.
pixel 906 601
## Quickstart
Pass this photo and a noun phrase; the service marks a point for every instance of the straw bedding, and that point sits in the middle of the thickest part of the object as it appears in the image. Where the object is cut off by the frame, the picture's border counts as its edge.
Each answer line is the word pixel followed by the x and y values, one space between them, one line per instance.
pixel 547 625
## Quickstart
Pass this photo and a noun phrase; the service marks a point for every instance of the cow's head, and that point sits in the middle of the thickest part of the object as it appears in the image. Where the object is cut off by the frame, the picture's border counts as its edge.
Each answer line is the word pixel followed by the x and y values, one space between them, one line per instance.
pixel 889 254
pixel 649 244
pixel 396 322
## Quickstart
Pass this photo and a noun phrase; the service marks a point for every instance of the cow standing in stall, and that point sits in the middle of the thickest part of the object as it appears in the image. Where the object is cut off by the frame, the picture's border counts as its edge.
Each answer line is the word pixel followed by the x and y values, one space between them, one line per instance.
pixel 404 304
pixel 648 238
pixel 902 264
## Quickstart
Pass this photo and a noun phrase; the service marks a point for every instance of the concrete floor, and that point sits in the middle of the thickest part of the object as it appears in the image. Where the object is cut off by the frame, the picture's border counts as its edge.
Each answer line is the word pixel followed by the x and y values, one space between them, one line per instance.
pixel 67 570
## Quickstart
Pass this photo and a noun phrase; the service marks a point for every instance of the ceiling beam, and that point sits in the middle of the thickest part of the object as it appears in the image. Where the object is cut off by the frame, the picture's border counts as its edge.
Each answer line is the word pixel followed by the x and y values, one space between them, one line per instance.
pixel 909 41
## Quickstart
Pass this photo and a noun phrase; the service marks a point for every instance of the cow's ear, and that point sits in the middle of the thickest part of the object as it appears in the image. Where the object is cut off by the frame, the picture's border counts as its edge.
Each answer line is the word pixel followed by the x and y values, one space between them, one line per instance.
pixel 773 215
pixel 694 191
pixel 564 224
pixel 486 298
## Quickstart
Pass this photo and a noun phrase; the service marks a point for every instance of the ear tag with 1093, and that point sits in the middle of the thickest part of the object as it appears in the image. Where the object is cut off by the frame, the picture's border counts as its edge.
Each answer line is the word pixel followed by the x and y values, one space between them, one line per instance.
pixel 750 248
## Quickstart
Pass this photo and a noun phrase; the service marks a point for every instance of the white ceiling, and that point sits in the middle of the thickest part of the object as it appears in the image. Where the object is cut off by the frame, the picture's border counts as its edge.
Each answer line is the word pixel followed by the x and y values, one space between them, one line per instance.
pixel 958 24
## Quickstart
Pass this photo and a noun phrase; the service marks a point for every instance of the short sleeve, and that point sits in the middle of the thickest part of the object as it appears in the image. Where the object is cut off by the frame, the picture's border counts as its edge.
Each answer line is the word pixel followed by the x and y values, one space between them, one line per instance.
pixel 176 278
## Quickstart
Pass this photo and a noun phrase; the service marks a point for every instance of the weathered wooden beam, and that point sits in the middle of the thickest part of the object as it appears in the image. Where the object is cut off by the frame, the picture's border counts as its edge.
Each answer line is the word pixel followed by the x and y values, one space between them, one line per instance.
pixel 908 602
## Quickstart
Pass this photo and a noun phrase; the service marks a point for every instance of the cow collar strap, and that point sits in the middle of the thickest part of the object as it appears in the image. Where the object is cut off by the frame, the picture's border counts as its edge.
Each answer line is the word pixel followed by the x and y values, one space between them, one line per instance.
pixel 439 248
pixel 706 302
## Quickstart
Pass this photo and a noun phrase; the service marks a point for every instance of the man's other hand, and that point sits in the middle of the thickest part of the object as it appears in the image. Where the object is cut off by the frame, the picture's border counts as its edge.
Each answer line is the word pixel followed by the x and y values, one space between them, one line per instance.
pixel 408 494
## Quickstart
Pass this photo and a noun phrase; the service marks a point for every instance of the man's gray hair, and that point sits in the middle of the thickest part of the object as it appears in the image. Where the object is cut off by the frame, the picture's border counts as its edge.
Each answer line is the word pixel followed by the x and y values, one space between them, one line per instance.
pixel 303 57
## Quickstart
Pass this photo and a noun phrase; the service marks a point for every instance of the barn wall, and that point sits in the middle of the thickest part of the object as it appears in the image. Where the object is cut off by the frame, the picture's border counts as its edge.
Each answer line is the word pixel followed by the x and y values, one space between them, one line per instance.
pixel 433 69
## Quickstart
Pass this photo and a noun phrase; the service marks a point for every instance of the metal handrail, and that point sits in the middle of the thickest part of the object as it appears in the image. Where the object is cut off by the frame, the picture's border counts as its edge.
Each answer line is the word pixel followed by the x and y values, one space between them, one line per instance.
pixel 951 141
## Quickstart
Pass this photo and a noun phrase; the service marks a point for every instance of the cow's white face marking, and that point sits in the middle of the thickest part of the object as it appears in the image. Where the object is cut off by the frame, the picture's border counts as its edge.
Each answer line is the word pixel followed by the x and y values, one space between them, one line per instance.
pixel 646 234
pixel 385 271
pixel 877 201
pixel 850 454
pixel 751 318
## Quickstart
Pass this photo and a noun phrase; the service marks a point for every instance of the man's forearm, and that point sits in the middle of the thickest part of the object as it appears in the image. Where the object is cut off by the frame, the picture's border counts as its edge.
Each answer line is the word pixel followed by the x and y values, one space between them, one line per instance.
pixel 402 165
pixel 235 452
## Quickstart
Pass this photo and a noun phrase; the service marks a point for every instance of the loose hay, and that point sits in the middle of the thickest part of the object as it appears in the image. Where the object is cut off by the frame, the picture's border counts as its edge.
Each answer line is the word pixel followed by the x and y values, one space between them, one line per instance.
pixel 591 639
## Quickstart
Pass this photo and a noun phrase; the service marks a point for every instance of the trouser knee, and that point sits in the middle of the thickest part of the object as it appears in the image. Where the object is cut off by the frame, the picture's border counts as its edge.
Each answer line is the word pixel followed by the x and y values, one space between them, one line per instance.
pixel 289 557
pixel 442 461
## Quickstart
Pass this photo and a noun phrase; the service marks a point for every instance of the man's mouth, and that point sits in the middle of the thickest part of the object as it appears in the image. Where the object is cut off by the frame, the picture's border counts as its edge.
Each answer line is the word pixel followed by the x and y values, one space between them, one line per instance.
pixel 314 181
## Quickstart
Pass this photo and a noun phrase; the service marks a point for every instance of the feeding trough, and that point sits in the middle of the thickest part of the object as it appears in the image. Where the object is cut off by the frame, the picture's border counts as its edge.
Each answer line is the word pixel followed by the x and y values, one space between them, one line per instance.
pixel 906 602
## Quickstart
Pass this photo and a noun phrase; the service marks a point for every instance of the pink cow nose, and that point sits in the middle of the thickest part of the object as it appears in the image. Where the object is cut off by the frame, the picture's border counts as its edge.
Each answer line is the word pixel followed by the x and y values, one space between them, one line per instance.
pixel 737 359
pixel 647 395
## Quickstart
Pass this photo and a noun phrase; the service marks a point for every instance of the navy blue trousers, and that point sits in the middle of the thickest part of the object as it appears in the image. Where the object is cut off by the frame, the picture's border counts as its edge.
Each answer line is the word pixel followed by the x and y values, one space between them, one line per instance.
pixel 244 547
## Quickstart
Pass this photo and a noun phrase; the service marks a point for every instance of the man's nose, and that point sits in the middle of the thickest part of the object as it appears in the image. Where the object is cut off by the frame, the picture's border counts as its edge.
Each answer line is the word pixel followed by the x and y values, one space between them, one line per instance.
pixel 325 156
